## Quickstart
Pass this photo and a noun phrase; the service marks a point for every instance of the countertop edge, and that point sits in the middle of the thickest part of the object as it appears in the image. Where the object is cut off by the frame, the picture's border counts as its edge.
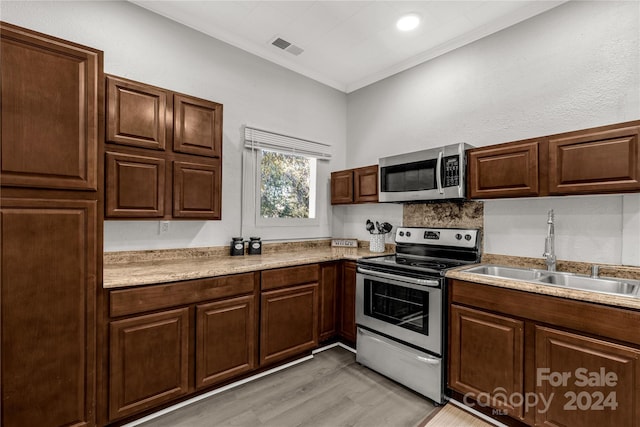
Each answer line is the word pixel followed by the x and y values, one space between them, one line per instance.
pixel 554 291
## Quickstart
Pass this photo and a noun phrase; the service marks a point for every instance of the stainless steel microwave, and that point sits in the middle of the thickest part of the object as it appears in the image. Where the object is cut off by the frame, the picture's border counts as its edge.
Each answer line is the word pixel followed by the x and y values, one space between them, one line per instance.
pixel 433 174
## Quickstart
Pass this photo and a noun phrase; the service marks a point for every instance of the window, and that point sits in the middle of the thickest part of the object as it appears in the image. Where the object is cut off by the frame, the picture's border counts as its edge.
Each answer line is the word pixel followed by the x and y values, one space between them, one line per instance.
pixel 287 185
pixel 282 197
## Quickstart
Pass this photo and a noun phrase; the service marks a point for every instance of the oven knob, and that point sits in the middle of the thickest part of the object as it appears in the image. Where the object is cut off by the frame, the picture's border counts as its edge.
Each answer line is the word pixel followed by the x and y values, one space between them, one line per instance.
pixel 467 236
pixel 401 233
pixel 408 234
pixel 459 236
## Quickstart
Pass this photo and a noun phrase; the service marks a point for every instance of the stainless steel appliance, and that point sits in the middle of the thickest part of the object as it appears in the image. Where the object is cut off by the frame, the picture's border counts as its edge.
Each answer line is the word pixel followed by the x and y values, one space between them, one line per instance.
pixel 433 174
pixel 400 305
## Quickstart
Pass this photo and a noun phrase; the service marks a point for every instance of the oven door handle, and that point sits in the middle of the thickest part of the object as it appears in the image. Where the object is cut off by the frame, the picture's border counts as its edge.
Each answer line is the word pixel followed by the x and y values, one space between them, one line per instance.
pixel 438 172
pixel 413 280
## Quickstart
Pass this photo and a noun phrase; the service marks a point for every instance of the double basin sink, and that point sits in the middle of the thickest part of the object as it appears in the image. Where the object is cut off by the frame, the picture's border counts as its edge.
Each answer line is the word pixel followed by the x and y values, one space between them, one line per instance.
pixel 609 285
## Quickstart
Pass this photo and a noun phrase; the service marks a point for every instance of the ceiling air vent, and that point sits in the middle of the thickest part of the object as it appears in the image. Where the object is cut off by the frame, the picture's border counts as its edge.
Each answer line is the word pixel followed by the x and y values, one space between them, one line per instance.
pixel 287 46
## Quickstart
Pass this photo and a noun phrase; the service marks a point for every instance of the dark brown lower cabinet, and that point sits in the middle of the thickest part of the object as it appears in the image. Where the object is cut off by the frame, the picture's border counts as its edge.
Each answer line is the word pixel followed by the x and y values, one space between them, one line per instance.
pixel 542 360
pixel 226 337
pixel 487 356
pixel 48 277
pixel 329 281
pixel 593 382
pixel 149 361
pixel 348 302
pixel 289 322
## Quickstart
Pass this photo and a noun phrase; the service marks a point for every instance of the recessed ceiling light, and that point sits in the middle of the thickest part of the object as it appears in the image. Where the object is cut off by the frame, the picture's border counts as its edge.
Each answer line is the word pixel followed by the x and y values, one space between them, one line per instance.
pixel 408 22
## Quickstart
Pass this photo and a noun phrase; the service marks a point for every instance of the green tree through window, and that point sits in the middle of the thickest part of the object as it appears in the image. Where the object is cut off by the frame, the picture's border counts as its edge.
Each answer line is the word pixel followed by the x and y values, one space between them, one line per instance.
pixel 286 185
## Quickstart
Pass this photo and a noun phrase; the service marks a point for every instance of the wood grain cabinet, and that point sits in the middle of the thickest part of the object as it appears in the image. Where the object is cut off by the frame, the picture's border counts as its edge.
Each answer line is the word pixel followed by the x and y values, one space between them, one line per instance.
pixel 226 340
pixel 170 340
pixel 137 114
pixel 506 344
pixel 487 356
pixel 505 170
pixel 50 241
pixel 50 94
pixel 135 185
pixel 599 160
pixel 596 161
pixel 348 302
pixel 328 295
pixel 600 383
pixel 353 186
pixel 149 361
pixel 289 312
pixel 163 154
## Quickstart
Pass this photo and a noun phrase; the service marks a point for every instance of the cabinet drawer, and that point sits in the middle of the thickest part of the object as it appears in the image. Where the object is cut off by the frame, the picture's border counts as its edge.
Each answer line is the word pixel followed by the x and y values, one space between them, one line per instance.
pixel 130 301
pixel 290 276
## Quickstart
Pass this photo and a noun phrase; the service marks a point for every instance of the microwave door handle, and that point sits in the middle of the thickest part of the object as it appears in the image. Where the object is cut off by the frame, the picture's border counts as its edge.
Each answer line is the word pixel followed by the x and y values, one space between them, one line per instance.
pixel 439 172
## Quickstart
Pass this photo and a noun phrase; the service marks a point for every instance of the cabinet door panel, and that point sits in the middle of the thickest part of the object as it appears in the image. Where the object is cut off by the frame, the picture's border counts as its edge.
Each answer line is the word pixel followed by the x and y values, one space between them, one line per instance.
pixel 225 340
pixel 135 186
pixel 329 278
pixel 509 170
pixel 342 187
pixel 197 190
pixel 48 279
pixel 149 361
pixel 289 322
pixel 136 114
pixel 50 133
pixel 197 126
pixel 606 161
pixel 348 302
pixel 487 356
pixel 574 401
pixel 365 184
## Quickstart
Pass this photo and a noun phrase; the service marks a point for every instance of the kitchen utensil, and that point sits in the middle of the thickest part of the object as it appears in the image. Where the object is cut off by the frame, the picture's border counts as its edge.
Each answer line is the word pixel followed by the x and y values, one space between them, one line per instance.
pixel 370 226
pixel 378 227
pixel 386 227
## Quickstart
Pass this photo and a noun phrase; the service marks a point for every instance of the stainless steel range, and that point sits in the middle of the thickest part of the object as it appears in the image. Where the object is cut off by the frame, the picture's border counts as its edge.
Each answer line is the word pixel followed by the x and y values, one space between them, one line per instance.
pixel 400 305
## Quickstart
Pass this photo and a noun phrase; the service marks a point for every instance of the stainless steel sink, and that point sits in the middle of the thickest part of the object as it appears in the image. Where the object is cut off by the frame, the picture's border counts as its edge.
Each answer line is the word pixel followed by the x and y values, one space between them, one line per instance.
pixel 609 285
pixel 507 272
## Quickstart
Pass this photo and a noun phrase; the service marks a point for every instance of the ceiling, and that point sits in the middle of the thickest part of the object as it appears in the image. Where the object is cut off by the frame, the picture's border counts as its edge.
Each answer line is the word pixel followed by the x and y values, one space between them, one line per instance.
pixel 347 44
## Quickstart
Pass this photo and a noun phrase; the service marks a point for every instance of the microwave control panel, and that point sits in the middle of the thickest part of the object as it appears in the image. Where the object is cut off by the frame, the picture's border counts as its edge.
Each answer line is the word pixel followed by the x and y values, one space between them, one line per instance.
pixel 452 171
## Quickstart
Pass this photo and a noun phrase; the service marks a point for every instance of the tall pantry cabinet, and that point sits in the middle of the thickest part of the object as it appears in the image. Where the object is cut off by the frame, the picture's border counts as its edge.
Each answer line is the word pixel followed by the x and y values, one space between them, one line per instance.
pixel 52 119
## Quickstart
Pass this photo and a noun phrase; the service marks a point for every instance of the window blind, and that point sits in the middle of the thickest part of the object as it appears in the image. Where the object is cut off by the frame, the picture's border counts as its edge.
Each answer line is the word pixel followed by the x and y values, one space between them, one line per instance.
pixel 257 139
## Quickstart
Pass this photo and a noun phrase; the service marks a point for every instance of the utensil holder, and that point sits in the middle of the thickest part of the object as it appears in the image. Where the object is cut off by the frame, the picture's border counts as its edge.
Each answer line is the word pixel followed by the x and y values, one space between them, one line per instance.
pixel 376 243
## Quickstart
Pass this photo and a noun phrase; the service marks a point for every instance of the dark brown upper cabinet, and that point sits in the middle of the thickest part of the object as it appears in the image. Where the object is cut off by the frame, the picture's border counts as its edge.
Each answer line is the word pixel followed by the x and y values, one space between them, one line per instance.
pixel 50 128
pixel 197 127
pixel 136 185
pixel 505 170
pixel 164 153
pixel 352 186
pixel 196 189
pixel 136 114
pixel 599 160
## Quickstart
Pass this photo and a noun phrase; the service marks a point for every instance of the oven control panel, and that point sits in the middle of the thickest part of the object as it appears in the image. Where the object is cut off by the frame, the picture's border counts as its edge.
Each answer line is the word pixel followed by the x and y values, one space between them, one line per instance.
pixel 456 237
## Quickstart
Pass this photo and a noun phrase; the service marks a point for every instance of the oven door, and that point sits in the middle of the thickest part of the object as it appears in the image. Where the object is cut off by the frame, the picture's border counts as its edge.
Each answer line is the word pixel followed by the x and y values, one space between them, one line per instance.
pixel 404 308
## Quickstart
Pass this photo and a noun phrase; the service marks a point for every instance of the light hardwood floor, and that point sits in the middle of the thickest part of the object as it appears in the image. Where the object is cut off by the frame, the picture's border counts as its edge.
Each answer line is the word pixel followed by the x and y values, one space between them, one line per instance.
pixel 330 390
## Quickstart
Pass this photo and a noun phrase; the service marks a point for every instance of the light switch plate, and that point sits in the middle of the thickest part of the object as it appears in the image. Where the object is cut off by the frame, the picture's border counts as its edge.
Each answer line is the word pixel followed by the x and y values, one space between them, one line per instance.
pixel 344 243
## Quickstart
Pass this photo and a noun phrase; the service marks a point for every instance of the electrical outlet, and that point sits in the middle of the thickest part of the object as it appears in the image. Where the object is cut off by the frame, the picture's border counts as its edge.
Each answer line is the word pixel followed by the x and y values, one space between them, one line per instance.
pixel 164 227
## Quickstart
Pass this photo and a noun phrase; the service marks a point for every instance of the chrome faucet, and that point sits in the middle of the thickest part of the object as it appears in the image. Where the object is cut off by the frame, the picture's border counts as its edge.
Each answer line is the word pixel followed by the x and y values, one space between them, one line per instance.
pixel 549 244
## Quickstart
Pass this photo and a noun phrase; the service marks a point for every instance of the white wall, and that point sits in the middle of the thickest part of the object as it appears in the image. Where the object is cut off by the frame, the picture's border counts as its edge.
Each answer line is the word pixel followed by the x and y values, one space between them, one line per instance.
pixel 146 47
pixel 574 67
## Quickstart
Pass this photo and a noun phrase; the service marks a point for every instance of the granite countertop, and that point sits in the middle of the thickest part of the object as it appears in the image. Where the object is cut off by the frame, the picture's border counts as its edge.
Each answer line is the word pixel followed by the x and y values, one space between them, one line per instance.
pixel 556 291
pixel 145 270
